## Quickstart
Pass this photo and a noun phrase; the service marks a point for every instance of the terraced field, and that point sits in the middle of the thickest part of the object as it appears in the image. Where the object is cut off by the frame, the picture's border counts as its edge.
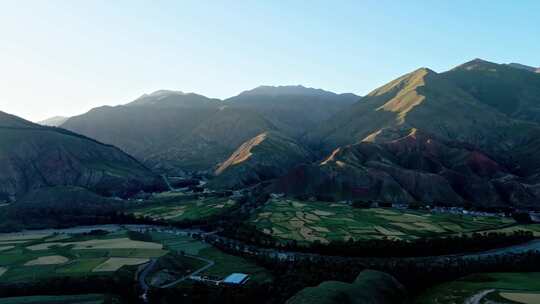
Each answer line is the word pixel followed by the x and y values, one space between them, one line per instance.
pixel 501 288
pixel 176 209
pixel 325 222
pixel 39 256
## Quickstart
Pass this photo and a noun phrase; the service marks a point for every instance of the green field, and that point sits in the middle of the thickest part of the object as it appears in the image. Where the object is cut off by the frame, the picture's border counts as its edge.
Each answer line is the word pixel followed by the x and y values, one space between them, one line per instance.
pixel 179 243
pixel 176 208
pixel 325 222
pixel 225 264
pixel 499 288
pixel 36 257
pixel 71 299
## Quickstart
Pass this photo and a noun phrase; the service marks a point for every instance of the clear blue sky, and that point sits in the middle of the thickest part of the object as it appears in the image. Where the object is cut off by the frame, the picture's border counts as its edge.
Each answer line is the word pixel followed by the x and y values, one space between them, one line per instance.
pixel 65 57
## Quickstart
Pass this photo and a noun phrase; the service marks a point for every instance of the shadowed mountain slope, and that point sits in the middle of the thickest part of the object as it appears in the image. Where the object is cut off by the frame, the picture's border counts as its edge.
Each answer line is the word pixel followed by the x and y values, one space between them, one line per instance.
pixel 414 168
pixel 33 156
pixel 512 91
pixel 173 131
pixel 293 109
pixel 524 67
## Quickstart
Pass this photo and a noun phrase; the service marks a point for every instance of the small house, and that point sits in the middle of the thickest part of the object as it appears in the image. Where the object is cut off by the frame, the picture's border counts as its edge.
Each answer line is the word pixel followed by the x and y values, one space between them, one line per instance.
pixel 236 279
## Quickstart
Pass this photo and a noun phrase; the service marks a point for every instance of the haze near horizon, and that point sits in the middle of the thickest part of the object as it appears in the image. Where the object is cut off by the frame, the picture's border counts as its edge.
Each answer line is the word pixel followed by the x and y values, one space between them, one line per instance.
pixel 64 58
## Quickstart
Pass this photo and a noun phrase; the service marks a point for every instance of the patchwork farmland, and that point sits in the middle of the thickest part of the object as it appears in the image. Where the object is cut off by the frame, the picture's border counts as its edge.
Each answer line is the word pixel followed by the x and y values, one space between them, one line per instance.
pixel 176 208
pixel 324 222
pixel 36 256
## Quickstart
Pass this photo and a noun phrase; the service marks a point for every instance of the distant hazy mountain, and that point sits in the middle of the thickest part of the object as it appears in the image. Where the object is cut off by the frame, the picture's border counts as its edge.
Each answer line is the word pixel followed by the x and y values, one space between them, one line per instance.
pixel 173 131
pixel 524 67
pixel 514 92
pixel 55 121
pixel 293 109
pixel 166 98
pixel 34 156
pixel 265 156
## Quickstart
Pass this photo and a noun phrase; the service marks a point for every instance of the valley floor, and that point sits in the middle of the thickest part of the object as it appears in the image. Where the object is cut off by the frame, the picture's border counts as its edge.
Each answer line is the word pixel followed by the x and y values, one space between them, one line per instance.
pixel 306 222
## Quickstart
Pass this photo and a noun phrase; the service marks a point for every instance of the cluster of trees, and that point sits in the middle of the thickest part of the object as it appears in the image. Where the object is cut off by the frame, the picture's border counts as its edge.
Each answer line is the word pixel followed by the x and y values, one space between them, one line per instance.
pixel 50 218
pixel 420 247
pixel 431 246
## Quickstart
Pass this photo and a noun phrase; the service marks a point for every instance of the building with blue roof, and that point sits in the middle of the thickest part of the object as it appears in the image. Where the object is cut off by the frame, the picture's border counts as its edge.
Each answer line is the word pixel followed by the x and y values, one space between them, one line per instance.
pixel 236 279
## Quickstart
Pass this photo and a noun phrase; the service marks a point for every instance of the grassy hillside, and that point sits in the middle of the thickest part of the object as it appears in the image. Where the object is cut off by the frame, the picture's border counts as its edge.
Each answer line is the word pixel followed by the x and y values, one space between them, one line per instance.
pixel 514 92
pixel 33 156
pixel 417 167
pixel 423 100
pixel 171 138
pixel 174 131
pixel 370 286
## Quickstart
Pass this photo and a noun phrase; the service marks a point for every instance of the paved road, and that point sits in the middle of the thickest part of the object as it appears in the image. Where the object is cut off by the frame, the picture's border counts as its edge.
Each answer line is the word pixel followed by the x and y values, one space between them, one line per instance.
pixel 475 299
pixel 166 179
pixel 149 267
pixel 142 279
pixel 209 264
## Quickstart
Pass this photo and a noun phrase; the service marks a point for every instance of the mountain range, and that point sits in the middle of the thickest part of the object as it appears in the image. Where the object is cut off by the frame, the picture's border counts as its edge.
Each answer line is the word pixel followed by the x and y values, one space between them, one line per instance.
pixel 469 135
pixel 175 132
pixel 432 137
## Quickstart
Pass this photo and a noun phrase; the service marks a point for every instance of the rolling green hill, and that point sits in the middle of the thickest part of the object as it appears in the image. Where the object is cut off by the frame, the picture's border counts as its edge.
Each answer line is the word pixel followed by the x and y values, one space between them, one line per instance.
pixel 370 287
